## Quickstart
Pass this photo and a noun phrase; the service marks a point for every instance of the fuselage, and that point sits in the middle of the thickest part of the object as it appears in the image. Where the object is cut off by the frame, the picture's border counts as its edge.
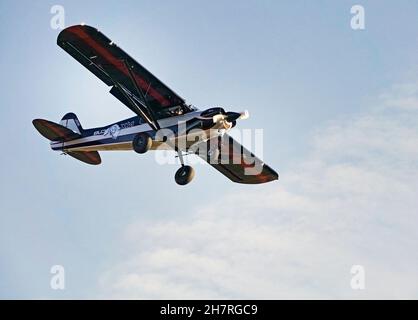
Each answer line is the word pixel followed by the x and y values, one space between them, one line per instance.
pixel 119 135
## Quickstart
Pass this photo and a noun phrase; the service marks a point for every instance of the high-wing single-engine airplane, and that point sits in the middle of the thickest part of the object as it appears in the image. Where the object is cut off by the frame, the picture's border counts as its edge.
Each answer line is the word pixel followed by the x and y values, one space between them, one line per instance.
pixel 163 119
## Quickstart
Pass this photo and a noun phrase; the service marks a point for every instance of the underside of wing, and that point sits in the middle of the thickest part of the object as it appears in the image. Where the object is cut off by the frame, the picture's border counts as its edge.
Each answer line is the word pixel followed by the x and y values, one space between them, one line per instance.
pixel 237 163
pixel 117 69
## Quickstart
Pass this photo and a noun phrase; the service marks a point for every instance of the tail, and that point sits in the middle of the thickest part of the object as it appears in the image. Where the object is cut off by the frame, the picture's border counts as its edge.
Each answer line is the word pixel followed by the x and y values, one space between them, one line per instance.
pixel 71 122
pixel 68 129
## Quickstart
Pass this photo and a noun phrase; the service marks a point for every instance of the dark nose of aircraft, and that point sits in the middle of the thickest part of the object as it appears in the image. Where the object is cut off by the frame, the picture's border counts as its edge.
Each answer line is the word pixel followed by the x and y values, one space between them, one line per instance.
pixel 232 116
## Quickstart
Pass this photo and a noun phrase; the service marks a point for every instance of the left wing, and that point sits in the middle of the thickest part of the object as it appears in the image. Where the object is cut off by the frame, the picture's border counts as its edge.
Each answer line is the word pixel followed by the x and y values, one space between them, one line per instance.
pixel 129 79
pixel 237 163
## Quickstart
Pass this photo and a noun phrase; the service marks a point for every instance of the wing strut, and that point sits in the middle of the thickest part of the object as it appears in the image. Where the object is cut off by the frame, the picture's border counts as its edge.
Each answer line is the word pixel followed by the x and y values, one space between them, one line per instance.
pixel 140 93
pixel 137 109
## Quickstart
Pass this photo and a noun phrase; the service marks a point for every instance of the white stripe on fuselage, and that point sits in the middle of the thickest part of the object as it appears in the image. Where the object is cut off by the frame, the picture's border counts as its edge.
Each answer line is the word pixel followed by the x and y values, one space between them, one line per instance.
pixel 164 123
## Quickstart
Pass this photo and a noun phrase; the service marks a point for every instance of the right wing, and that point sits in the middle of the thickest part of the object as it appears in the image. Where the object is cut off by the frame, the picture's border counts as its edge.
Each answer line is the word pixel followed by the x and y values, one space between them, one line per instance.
pixel 237 163
pixel 112 65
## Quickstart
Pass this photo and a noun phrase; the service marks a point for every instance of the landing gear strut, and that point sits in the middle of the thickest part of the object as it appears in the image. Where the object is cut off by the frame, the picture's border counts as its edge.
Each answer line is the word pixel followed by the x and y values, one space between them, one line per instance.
pixel 185 174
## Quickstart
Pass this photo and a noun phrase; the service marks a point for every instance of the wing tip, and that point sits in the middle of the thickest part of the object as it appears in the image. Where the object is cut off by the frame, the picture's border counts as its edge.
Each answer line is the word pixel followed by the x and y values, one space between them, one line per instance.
pixel 271 173
pixel 64 32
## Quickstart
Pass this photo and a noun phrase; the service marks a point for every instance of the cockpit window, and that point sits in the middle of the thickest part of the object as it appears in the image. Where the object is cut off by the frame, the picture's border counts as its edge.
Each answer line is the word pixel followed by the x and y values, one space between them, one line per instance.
pixel 174 111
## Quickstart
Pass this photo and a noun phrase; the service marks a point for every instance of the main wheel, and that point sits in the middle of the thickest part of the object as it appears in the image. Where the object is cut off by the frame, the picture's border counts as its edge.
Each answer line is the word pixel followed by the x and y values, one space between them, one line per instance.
pixel 184 175
pixel 142 142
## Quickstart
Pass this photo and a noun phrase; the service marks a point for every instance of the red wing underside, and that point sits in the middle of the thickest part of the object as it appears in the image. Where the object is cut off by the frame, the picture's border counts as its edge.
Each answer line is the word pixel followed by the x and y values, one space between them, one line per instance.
pixel 239 164
pixel 109 63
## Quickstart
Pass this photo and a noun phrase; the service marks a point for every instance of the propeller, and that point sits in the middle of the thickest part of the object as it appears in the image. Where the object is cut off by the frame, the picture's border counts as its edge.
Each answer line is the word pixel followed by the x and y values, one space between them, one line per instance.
pixel 233 116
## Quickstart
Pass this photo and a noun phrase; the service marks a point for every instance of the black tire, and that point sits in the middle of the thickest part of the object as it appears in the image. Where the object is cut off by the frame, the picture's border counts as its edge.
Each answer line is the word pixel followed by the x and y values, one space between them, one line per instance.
pixel 142 142
pixel 184 175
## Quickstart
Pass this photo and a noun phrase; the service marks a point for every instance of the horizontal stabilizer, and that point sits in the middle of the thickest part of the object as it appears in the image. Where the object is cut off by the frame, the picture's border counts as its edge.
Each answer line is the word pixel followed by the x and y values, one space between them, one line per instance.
pixel 89 157
pixel 54 131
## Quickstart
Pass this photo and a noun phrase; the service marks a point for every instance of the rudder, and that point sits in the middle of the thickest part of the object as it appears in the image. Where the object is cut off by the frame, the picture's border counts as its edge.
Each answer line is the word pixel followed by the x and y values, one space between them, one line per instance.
pixel 71 122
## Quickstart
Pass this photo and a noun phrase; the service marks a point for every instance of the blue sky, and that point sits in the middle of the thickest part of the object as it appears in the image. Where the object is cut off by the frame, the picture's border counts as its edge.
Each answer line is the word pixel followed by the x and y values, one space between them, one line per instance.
pixel 338 108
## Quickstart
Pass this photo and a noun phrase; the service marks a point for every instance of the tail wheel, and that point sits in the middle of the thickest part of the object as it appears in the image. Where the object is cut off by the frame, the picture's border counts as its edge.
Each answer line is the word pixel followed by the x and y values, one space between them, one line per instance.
pixel 184 175
pixel 142 142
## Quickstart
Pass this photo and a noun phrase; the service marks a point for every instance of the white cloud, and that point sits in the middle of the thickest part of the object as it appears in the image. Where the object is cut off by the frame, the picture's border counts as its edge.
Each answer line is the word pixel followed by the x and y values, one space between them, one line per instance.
pixel 402 96
pixel 352 200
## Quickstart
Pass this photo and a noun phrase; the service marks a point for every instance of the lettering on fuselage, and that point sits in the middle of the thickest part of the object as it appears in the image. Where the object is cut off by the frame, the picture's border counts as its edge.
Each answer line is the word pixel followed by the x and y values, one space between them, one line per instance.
pixel 114 129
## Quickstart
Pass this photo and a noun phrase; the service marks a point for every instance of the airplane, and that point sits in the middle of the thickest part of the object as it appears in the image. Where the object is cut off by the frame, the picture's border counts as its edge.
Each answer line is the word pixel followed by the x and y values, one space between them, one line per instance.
pixel 162 121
